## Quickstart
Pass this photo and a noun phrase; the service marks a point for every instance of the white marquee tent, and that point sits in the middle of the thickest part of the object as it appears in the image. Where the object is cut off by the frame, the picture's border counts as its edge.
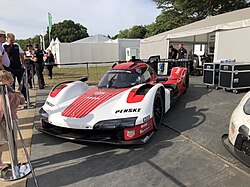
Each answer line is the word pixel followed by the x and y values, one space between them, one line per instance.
pixel 94 50
pixel 227 33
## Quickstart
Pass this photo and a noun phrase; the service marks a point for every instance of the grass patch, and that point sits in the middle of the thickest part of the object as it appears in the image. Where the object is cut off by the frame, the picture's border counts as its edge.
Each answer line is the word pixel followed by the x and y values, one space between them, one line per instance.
pixel 74 74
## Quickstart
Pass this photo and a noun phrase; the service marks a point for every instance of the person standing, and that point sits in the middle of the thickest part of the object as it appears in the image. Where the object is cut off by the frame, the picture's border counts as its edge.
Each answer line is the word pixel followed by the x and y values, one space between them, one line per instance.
pixel 172 52
pixel 182 52
pixel 39 66
pixel 16 56
pixel 4 59
pixel 49 62
pixel 29 63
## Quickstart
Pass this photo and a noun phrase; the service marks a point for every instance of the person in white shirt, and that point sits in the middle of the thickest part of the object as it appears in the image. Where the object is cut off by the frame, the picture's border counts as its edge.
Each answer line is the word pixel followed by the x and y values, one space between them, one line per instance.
pixel 16 56
pixel 4 59
pixel 29 63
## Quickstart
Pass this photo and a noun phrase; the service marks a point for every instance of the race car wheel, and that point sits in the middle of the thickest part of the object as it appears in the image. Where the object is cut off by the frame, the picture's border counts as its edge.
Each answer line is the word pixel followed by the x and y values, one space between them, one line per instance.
pixel 157 111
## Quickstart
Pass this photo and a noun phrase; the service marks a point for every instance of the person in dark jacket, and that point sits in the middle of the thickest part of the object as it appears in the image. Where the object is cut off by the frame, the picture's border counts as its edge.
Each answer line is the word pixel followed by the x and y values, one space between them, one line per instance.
pixel 39 66
pixel 16 56
pixel 49 62
pixel 172 52
pixel 182 52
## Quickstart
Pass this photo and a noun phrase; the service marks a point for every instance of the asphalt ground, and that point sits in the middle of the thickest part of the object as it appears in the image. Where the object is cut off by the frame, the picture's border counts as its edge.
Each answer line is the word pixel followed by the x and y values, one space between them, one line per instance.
pixel 186 151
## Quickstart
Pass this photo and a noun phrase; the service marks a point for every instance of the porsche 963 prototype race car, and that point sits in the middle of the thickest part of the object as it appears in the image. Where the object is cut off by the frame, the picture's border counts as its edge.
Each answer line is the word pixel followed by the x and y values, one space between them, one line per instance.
pixel 237 141
pixel 126 107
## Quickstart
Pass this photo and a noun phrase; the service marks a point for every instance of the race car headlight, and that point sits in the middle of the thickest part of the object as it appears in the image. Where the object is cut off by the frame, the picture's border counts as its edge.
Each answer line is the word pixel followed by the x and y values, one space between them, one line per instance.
pixel 43 114
pixel 115 123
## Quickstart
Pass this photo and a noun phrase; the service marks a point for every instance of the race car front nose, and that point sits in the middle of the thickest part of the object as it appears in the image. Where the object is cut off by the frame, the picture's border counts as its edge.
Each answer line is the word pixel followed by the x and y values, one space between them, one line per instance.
pixel 115 123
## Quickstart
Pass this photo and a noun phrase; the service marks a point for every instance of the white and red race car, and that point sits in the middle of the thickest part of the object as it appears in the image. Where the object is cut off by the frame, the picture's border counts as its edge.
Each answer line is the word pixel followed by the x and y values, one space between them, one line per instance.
pixel 237 142
pixel 126 107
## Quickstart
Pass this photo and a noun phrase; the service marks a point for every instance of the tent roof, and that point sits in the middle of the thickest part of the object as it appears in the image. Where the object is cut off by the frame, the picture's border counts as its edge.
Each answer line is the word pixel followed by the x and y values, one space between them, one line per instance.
pixel 93 39
pixel 57 41
pixel 231 20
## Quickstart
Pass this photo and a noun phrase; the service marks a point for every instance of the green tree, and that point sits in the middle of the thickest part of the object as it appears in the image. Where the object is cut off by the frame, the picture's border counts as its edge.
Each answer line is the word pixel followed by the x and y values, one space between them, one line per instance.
pixel 122 34
pixel 68 31
pixel 200 9
pixel 24 42
pixel 137 31
pixel 167 20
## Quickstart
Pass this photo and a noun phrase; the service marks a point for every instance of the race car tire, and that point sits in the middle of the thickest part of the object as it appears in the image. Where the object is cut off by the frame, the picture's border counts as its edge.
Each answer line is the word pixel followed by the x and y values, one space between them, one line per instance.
pixel 157 111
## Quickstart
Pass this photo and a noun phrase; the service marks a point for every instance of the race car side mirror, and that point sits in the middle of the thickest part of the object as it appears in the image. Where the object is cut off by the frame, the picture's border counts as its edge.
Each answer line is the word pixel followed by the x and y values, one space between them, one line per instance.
pixel 83 79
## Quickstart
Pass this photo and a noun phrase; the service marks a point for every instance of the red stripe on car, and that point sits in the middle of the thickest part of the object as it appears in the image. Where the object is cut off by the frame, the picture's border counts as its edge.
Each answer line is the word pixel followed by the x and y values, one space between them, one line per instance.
pixel 88 101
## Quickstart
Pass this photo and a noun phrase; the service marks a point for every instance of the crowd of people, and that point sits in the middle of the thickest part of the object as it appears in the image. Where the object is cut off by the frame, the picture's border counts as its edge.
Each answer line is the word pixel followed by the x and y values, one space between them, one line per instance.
pixel 13 63
pixel 15 60
pixel 181 53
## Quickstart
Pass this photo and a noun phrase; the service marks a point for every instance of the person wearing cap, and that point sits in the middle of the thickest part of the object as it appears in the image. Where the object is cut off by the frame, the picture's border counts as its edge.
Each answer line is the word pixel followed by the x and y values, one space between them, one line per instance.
pixel 4 59
pixel 29 63
pixel 39 65
pixel 16 56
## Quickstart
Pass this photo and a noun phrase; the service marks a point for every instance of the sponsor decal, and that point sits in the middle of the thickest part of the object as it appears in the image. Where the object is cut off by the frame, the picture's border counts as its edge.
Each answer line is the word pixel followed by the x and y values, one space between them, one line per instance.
pixel 94 98
pixel 50 104
pixel 99 93
pixel 138 71
pixel 146 118
pixel 145 129
pixel 129 110
pixel 131 133
pixel 177 71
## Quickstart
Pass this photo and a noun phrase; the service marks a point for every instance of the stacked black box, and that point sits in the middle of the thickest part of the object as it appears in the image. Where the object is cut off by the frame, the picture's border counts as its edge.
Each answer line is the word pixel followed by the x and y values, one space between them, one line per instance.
pixel 234 76
pixel 211 74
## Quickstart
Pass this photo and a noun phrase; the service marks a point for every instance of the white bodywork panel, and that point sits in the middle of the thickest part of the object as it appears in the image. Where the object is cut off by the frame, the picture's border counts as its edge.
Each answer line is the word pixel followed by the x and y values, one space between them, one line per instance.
pixel 238 118
pixel 105 111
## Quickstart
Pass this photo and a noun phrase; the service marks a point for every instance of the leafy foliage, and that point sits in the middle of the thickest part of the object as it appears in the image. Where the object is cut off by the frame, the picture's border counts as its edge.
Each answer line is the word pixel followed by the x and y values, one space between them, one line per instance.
pixel 167 20
pixel 66 31
pixel 176 13
pixel 200 9
pixel 137 31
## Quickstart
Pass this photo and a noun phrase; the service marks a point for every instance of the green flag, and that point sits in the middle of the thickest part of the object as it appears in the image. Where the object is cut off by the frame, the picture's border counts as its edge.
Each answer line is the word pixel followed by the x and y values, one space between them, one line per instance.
pixel 50 21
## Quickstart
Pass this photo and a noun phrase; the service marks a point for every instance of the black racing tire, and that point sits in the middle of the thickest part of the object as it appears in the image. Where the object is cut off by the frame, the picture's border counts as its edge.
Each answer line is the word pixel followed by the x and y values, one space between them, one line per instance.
pixel 158 111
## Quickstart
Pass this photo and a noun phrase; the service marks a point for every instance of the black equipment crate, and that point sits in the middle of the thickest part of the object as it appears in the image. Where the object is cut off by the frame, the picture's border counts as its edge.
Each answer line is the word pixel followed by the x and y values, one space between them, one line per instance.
pixel 234 76
pixel 211 74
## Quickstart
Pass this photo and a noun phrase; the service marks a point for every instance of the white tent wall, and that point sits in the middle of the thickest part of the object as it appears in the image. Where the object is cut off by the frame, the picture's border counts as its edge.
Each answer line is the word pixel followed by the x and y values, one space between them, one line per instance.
pixel 233 44
pixel 86 52
pixel 238 19
pixel 104 52
pixel 154 48
pixel 127 43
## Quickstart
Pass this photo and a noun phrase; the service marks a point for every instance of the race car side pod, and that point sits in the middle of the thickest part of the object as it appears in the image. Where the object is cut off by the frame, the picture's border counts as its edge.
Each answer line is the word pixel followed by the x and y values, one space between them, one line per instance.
pixel 15 170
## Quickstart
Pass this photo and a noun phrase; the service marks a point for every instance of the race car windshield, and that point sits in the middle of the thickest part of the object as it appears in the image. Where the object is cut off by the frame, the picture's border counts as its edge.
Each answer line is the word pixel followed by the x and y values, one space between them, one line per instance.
pixel 119 79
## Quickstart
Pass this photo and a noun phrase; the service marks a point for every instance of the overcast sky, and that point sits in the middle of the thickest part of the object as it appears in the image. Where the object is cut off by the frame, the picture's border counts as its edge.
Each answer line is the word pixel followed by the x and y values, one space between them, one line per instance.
pixel 27 18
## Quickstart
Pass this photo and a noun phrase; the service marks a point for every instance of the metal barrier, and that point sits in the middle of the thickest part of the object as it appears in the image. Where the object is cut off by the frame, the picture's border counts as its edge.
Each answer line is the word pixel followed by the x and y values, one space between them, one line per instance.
pixel 90 69
pixel 15 170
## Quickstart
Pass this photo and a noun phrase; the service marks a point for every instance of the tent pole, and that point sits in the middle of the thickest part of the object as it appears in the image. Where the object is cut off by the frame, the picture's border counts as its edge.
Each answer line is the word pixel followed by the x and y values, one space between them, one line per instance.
pixel 207 43
pixel 193 47
pixel 167 46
